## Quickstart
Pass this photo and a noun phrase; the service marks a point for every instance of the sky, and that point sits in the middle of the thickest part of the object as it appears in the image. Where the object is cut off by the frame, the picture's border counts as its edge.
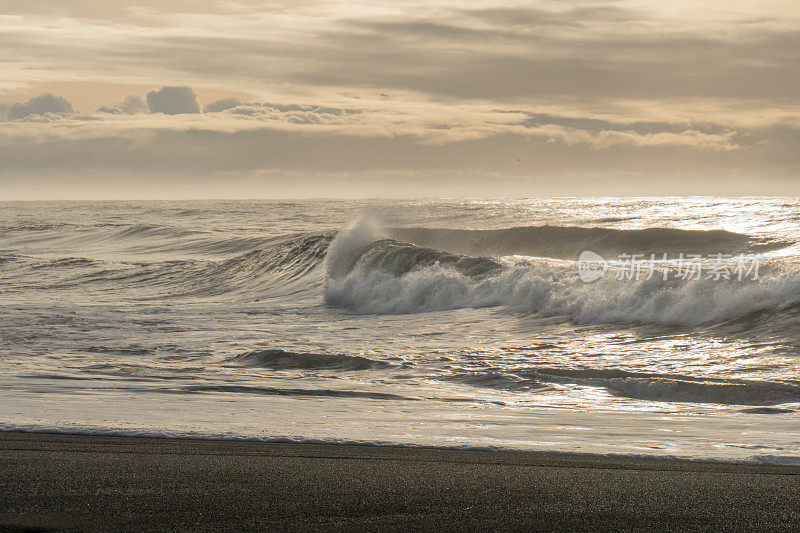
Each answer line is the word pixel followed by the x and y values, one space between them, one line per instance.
pixel 102 99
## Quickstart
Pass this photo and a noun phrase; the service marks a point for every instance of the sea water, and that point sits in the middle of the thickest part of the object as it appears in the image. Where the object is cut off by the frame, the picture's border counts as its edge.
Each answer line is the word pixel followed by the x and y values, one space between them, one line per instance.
pixel 451 322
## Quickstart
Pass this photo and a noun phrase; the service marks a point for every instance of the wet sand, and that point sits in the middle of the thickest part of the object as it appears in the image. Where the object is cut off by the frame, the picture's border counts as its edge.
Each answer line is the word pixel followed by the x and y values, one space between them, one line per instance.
pixel 115 483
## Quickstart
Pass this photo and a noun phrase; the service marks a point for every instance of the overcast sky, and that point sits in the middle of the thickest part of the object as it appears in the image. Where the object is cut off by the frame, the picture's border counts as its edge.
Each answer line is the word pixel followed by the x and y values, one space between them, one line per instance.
pixel 241 98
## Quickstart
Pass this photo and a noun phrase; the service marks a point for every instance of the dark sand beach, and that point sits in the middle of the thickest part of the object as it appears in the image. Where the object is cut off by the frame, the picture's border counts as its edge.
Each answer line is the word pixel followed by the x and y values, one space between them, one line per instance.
pixel 115 483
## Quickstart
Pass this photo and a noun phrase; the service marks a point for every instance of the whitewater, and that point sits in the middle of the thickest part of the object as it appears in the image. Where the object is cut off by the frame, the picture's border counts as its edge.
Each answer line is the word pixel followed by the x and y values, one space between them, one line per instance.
pixel 448 322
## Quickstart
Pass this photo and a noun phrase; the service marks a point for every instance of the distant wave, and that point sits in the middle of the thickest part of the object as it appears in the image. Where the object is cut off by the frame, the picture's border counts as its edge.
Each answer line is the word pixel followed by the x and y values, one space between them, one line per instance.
pixel 283 360
pixel 540 241
pixel 149 230
pixel 141 238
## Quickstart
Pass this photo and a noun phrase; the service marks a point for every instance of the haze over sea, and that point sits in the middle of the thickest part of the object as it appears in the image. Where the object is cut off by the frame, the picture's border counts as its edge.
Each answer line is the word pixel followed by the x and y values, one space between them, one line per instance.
pixel 429 322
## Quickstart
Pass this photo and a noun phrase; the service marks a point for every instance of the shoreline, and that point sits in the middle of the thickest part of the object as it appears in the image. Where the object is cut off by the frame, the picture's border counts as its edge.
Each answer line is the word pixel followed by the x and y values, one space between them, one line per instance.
pixel 67 481
pixel 785 460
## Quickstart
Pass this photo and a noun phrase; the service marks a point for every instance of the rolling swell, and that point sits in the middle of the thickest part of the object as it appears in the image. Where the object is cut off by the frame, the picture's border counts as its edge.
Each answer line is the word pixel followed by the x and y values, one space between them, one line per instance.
pixel 275 391
pixel 144 239
pixel 284 267
pixel 283 360
pixel 568 242
pixel 642 385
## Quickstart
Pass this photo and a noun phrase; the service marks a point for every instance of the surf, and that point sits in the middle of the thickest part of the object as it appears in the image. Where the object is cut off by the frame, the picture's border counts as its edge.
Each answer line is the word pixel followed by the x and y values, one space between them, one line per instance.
pixel 370 272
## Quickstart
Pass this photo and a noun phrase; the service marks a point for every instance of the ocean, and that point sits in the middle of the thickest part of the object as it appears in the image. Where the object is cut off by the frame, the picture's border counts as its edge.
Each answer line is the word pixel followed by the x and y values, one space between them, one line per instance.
pixel 664 327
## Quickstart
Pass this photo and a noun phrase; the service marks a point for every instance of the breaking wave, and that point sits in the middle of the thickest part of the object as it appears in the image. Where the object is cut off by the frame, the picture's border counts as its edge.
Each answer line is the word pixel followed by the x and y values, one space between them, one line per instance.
pixel 368 272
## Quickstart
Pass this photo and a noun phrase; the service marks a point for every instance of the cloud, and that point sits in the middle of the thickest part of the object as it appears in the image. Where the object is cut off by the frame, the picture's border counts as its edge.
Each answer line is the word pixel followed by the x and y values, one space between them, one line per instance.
pixel 431 123
pixel 130 105
pixel 306 137
pixel 531 17
pixel 594 51
pixel 611 87
pixel 3 110
pixel 604 134
pixel 44 104
pixel 290 113
pixel 222 105
pixel 173 101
